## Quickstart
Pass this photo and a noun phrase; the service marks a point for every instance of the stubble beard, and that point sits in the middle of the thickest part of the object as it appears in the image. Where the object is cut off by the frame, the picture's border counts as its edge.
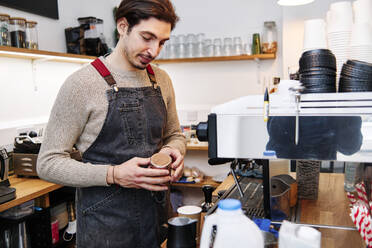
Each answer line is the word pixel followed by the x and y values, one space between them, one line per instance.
pixel 132 60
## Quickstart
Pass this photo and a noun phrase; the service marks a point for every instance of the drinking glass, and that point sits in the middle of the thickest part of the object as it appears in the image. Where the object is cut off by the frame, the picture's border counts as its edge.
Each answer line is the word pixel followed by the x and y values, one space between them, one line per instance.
pixel 238 46
pixel 217 42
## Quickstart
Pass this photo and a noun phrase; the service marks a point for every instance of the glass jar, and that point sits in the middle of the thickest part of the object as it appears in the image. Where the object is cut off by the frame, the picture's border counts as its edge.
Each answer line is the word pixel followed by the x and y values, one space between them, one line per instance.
pixel 99 27
pixel 89 23
pixel 269 38
pixel 17 28
pixel 91 35
pixel 31 35
pixel 4 30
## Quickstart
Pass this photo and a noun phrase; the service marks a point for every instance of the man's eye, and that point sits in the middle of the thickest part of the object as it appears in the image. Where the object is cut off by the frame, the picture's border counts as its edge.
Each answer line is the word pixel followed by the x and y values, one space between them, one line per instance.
pixel 146 38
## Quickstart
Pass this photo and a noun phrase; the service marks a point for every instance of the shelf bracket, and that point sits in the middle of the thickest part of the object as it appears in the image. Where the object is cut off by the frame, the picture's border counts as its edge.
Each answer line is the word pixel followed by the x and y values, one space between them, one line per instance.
pixel 258 70
pixel 34 63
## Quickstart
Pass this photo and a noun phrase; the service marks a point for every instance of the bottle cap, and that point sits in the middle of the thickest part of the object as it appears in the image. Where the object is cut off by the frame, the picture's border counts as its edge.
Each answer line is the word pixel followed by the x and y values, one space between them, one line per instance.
pixel 269 153
pixel 229 204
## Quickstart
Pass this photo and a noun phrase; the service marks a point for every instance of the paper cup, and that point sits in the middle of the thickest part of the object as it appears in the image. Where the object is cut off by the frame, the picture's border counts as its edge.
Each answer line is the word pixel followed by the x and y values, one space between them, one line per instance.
pixel 160 161
pixel 361 35
pixel 341 17
pixel 315 35
pixel 192 212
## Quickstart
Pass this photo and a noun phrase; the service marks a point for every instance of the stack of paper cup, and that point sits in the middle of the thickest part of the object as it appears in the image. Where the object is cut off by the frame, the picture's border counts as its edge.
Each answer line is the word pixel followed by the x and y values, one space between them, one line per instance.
pixel 362 11
pixel 361 34
pixel 315 35
pixel 339 26
pixel 361 42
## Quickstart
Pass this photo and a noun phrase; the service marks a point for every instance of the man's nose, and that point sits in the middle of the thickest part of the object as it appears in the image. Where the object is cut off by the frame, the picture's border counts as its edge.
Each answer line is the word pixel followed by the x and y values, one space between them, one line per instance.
pixel 154 49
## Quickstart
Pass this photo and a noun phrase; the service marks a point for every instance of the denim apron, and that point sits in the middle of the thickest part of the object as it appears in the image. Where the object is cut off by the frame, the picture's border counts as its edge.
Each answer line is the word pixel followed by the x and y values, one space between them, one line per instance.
pixel 115 216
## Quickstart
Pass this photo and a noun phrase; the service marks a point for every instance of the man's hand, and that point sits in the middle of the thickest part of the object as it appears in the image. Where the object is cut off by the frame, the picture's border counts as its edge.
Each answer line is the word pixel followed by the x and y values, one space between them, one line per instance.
pixel 132 174
pixel 177 164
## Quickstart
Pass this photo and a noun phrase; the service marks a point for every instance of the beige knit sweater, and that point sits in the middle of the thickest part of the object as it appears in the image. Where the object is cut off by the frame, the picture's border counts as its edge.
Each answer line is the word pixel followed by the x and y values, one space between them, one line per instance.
pixel 78 115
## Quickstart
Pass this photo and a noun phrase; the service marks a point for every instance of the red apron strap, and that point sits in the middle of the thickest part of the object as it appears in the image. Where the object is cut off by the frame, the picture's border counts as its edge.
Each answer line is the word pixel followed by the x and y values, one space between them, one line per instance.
pixel 105 73
pixel 151 74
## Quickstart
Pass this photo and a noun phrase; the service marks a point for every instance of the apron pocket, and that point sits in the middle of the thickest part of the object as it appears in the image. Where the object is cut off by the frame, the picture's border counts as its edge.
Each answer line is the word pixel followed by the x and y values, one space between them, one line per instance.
pixel 104 201
pixel 133 118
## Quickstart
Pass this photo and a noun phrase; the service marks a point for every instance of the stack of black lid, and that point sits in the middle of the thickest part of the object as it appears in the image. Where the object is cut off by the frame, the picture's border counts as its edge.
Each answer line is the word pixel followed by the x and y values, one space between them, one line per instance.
pixel 356 76
pixel 318 71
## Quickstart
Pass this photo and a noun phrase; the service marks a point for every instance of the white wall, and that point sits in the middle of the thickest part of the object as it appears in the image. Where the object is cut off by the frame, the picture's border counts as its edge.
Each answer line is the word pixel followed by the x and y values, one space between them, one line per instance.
pixel 51 32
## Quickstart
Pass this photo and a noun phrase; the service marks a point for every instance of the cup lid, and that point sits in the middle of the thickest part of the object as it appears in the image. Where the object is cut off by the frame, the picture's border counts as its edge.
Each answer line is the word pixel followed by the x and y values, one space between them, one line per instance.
pixel 17 18
pixel 269 24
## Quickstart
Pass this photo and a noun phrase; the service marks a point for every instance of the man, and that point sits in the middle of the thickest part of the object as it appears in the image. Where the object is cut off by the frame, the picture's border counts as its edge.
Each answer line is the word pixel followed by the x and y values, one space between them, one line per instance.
pixel 118 111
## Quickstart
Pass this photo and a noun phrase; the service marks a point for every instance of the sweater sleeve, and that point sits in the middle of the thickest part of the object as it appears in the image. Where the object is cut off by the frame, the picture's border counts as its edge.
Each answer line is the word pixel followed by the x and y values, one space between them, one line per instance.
pixel 173 136
pixel 66 122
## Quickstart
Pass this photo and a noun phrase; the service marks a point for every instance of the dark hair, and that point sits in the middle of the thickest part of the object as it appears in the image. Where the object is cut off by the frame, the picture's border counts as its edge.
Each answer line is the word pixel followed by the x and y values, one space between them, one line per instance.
pixel 136 10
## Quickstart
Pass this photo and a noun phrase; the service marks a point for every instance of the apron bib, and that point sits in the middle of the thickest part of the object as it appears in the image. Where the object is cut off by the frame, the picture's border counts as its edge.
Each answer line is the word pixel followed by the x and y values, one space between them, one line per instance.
pixel 115 216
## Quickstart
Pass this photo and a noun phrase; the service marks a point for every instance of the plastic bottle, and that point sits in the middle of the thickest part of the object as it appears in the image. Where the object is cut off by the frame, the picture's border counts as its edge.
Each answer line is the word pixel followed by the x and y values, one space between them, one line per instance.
pixel 294 235
pixel 234 229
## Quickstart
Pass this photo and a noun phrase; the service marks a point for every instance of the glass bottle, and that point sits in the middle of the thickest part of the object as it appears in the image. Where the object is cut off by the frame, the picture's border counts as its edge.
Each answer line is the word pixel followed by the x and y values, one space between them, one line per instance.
pixel 31 35
pixel 4 30
pixel 353 175
pixel 269 38
pixel 256 44
pixel 17 28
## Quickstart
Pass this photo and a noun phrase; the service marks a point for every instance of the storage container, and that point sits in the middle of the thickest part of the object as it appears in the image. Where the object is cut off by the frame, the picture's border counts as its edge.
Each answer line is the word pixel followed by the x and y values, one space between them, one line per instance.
pixel 4 30
pixel 31 35
pixel 17 28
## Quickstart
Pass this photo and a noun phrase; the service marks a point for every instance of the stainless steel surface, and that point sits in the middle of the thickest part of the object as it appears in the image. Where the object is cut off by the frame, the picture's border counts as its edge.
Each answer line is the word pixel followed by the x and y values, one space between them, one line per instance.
pixel 322 226
pixel 236 179
pixel 252 201
pixel 344 117
pixel 280 199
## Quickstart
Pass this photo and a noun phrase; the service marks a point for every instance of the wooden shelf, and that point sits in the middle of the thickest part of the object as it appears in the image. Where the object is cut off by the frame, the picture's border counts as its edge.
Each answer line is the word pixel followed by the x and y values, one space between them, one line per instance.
pixel 21 53
pixel 201 146
pixel 207 180
pixel 222 58
pixel 28 189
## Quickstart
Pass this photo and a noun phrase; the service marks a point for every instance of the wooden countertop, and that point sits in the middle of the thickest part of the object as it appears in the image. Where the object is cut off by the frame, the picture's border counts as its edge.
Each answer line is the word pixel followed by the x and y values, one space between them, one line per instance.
pixel 331 208
pixel 28 189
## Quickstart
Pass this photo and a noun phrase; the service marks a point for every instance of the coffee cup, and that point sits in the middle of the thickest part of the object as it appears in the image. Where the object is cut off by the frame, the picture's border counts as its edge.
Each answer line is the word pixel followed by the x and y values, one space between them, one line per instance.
pixel 192 212
pixel 161 161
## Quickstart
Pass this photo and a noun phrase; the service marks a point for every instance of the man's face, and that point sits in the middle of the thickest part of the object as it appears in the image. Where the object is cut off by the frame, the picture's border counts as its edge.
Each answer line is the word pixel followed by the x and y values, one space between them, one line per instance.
pixel 144 41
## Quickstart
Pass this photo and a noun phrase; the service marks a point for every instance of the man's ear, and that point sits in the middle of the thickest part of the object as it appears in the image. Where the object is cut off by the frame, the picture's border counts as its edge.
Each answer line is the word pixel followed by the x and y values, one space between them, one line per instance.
pixel 122 26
